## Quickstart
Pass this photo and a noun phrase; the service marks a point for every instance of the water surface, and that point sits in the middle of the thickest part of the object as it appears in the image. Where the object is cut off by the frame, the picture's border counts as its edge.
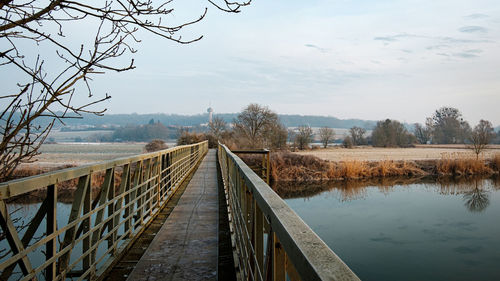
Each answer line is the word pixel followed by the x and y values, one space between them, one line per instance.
pixel 417 231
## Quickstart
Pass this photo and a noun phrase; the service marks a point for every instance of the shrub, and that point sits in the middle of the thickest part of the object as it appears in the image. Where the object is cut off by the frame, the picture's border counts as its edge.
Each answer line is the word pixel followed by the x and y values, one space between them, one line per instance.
pixel 391 133
pixel 191 138
pixel 155 145
pixel 347 143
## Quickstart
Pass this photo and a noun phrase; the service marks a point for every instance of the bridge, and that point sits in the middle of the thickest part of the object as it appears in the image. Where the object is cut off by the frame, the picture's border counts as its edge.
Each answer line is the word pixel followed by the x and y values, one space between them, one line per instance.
pixel 208 216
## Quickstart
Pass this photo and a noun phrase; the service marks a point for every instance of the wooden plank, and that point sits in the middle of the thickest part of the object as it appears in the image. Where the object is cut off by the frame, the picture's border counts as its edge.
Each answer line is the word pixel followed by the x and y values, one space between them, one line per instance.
pixel 279 272
pixel 111 207
pixel 258 240
pixel 96 235
pixel 293 275
pixel 76 209
pixel 51 246
pixel 137 180
pixel 87 207
pixel 125 182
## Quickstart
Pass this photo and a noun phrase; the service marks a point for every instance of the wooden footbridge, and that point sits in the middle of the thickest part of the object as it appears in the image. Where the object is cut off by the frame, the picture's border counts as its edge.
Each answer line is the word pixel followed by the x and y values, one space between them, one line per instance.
pixel 228 224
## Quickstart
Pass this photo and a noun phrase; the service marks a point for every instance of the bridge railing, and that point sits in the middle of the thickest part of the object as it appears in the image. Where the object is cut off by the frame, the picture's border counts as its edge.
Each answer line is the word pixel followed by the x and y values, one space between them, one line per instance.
pixel 272 241
pixel 103 221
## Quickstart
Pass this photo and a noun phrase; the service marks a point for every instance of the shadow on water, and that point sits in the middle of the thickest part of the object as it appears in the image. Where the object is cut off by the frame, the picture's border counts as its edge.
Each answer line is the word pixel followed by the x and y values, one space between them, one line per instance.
pixel 475 196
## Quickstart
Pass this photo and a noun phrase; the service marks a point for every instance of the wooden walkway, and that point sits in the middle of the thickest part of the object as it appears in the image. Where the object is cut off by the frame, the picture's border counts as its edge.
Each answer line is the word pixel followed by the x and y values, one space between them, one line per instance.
pixel 186 246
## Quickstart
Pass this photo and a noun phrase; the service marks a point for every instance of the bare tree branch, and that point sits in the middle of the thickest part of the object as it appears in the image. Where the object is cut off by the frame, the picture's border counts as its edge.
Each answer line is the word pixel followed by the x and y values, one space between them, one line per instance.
pixel 49 94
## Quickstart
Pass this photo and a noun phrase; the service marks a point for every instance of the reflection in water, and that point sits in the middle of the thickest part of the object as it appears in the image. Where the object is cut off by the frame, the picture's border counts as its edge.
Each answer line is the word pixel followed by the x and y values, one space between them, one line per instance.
pixel 349 189
pixel 475 197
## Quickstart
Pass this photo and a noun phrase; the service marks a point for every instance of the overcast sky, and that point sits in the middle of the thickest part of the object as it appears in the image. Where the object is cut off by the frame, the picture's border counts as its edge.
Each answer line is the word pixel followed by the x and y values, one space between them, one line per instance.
pixel 367 59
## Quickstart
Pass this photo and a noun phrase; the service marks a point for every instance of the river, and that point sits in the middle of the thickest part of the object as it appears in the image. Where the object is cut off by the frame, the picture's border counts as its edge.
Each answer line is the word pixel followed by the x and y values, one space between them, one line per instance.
pixel 424 230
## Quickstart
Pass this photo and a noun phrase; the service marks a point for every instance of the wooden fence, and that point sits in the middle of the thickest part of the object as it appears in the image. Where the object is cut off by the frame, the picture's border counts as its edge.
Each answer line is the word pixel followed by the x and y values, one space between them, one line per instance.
pixel 103 221
pixel 272 242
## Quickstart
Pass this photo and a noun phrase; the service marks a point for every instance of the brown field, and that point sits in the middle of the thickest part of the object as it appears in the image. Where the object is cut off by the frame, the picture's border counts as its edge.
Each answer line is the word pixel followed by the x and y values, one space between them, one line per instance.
pixel 421 152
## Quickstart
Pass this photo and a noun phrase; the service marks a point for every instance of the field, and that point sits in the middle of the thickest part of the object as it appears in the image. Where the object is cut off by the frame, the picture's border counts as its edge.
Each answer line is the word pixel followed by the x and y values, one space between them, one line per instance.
pixel 53 155
pixel 421 152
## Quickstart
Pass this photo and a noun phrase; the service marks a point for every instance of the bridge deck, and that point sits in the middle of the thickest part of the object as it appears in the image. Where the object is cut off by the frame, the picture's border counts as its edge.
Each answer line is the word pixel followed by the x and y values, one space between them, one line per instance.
pixel 186 246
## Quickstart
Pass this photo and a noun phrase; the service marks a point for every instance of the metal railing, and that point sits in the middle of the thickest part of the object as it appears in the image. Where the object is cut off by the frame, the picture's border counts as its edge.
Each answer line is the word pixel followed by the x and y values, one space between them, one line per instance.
pixel 104 227
pixel 272 242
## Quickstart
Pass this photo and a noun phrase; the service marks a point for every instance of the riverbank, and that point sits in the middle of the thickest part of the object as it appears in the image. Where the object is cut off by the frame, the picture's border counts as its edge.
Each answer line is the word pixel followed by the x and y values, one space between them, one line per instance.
pixel 288 166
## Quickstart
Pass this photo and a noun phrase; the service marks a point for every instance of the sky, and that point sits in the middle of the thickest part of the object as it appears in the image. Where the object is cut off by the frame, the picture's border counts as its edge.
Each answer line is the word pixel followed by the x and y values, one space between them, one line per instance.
pixel 366 59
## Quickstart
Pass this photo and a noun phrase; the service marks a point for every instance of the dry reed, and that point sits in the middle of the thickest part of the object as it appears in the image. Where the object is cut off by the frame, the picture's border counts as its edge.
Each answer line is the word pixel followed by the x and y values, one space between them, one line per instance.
pixel 452 164
pixel 287 166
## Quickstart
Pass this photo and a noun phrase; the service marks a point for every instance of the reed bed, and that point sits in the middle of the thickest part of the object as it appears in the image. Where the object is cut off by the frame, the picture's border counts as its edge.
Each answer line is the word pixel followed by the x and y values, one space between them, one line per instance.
pixel 451 164
pixel 287 166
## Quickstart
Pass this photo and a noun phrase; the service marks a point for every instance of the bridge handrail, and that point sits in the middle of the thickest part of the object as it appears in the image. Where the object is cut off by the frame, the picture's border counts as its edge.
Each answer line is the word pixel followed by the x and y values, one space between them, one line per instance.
pixel 118 214
pixel 256 213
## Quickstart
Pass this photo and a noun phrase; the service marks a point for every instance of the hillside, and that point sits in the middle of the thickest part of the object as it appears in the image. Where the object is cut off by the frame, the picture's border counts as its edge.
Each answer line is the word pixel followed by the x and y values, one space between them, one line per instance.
pixel 193 120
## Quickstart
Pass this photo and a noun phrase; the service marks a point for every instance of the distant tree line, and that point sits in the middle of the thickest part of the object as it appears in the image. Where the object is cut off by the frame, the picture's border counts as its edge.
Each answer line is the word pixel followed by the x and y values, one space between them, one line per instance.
pixel 257 126
pixel 194 120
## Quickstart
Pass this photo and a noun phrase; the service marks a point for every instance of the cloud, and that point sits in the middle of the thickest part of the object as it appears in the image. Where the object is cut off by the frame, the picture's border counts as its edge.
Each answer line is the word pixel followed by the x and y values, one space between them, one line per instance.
pixel 443 40
pixel 437 47
pixel 323 50
pixel 386 38
pixel 474 51
pixel 465 55
pixel 473 29
pixel 477 16
pixel 468 54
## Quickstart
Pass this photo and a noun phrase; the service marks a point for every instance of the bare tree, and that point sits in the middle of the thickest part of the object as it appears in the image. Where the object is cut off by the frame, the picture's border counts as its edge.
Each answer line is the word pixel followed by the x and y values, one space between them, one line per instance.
pixel 326 135
pixel 304 136
pixel 47 88
pixel 357 135
pixel 276 136
pixel 423 134
pixel 217 127
pixel 481 136
pixel 253 122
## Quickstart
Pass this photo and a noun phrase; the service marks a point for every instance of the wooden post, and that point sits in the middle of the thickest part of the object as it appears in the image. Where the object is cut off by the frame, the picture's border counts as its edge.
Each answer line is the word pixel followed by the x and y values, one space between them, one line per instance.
pixel 87 207
pixel 51 246
pixel 96 235
pixel 258 238
pixel 76 209
pixel 279 273
pixel 268 168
